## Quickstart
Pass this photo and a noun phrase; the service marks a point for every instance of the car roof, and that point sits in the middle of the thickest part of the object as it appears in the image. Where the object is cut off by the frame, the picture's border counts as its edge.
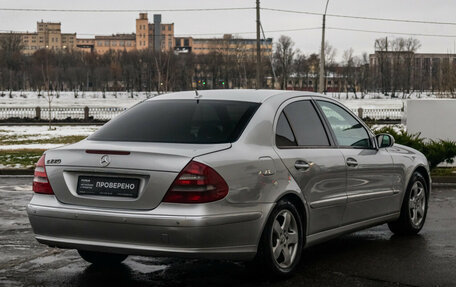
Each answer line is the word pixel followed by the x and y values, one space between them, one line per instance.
pixel 246 95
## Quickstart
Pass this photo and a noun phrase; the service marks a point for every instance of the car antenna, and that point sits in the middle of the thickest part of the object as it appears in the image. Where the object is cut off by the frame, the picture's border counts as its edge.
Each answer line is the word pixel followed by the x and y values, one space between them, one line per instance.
pixel 197 96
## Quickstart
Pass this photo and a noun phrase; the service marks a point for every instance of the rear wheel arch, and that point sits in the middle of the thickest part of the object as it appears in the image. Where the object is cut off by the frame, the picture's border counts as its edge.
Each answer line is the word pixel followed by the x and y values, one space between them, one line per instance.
pixel 266 257
pixel 300 205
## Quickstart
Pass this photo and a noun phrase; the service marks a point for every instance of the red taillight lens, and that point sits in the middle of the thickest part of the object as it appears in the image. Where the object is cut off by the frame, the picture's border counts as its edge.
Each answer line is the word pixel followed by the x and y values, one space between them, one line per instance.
pixel 197 183
pixel 40 181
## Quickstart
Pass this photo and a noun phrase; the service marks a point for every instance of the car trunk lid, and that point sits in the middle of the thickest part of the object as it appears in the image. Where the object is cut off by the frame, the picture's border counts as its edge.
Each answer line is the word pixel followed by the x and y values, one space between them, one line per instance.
pixel 154 166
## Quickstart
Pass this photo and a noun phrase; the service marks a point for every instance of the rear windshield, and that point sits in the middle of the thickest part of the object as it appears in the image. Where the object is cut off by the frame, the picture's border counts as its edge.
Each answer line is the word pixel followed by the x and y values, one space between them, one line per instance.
pixel 180 121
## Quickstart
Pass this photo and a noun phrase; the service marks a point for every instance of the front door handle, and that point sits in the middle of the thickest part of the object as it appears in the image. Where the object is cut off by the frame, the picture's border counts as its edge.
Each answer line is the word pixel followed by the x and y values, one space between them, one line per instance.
pixel 302 165
pixel 351 162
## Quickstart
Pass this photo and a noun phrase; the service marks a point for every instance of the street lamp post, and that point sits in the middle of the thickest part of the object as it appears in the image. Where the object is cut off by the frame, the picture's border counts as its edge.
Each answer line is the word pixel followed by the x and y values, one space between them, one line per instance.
pixel 321 84
pixel 258 46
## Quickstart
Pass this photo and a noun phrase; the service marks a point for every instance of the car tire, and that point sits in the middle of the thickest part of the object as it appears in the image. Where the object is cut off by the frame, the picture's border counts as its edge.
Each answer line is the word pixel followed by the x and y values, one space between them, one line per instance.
pixel 102 258
pixel 281 243
pixel 414 207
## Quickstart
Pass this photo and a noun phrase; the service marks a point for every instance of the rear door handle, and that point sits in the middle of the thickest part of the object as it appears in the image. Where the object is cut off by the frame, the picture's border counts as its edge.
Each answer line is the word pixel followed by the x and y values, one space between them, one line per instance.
pixel 351 162
pixel 302 165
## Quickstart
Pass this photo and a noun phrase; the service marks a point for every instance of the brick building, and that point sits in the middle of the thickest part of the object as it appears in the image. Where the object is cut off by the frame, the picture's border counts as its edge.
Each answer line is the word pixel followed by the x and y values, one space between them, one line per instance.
pixel 409 70
pixel 156 36
pixel 226 45
pixel 48 35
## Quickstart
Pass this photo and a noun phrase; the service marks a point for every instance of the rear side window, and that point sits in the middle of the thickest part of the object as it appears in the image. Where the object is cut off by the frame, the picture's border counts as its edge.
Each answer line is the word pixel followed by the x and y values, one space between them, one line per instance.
pixel 284 134
pixel 306 124
pixel 180 121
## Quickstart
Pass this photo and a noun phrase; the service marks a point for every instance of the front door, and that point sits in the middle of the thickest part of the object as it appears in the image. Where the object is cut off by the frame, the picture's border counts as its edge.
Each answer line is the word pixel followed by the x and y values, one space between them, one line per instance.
pixel 370 171
pixel 313 161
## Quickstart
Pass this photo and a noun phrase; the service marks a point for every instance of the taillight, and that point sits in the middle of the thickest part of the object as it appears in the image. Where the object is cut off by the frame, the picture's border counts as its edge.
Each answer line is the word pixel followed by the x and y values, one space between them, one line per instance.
pixel 40 180
pixel 197 183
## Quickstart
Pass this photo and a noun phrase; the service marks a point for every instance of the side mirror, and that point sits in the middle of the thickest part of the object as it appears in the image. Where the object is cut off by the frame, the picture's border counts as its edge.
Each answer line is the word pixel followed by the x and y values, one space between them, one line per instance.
pixel 384 140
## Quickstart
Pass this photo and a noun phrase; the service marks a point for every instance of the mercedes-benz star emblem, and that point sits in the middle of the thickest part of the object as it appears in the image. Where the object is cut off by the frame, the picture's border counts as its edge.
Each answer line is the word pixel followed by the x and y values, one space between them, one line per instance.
pixel 105 160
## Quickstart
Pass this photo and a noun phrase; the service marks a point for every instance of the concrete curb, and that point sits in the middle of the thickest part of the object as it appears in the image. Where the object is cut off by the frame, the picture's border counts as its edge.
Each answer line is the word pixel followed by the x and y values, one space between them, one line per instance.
pixel 16 171
pixel 16 176
pixel 54 124
pixel 444 179
pixel 442 184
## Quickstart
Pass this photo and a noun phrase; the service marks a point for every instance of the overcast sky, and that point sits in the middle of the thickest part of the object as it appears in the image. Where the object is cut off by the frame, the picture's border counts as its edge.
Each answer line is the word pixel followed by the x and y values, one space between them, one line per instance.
pixel 244 21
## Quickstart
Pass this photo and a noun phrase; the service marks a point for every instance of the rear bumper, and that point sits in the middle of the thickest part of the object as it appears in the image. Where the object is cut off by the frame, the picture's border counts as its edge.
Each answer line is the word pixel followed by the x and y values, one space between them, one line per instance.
pixel 206 231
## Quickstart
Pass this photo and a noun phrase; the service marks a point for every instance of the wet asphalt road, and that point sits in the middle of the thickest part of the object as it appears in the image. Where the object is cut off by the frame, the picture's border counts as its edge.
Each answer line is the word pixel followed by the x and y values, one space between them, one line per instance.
pixel 374 257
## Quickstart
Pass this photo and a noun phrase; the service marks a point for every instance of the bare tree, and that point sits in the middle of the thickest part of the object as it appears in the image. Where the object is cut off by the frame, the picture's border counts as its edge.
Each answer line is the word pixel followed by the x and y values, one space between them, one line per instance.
pixel 411 46
pixel 11 57
pixel 330 61
pixel 302 69
pixel 364 75
pixel 383 72
pixel 49 96
pixel 394 70
pixel 283 58
pixel 349 70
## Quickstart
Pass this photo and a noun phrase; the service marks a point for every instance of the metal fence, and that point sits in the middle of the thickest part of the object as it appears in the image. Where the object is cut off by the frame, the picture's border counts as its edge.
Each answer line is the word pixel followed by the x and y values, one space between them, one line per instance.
pixel 61 113
pixel 380 114
pixel 6 113
pixel 107 113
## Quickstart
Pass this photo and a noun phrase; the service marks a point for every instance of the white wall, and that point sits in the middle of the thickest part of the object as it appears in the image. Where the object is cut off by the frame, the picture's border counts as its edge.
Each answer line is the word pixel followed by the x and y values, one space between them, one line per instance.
pixel 435 119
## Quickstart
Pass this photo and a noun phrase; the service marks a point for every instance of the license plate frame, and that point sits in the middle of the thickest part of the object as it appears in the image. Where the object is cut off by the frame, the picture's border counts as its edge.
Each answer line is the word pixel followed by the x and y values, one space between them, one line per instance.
pixel 108 186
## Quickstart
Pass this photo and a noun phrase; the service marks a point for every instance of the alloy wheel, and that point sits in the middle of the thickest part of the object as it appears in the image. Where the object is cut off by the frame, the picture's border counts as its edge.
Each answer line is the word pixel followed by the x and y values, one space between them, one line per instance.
pixel 284 239
pixel 417 203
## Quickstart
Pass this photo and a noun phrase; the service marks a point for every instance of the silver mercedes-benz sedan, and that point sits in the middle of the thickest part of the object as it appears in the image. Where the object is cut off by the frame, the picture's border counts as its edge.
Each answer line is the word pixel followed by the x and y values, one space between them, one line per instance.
pixel 226 174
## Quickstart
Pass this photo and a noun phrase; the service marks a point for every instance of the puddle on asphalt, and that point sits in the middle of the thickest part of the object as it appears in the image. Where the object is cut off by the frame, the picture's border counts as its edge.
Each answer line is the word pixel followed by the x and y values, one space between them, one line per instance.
pixel 140 265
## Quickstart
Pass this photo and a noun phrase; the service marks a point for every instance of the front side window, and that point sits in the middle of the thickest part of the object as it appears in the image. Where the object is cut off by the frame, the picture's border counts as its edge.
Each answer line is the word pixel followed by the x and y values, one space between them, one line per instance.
pixel 348 131
pixel 180 121
pixel 306 124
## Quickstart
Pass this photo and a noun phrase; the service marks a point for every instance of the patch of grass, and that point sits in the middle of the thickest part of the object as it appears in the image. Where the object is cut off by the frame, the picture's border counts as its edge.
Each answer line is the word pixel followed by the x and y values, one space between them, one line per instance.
pixel 14 140
pixel 444 171
pixel 20 157
pixel 14 137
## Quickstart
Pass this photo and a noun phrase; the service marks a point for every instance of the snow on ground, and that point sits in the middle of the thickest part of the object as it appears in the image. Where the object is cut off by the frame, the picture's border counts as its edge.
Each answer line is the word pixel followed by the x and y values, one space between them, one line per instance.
pixel 11 166
pixel 378 100
pixel 42 131
pixel 31 132
pixel 29 146
pixel 374 104
pixel 68 99
pixel 396 128
pixel 128 99
pixel 373 95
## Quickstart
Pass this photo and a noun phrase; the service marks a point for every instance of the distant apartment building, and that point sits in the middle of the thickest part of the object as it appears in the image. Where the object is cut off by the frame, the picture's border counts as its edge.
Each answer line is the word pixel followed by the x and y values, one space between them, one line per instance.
pixel 118 42
pixel 156 36
pixel 48 35
pixel 417 71
pixel 226 45
pixel 85 44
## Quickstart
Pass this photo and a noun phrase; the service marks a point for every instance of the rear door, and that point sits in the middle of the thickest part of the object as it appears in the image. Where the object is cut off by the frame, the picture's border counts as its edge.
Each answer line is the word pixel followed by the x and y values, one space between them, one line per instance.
pixel 370 171
pixel 313 160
